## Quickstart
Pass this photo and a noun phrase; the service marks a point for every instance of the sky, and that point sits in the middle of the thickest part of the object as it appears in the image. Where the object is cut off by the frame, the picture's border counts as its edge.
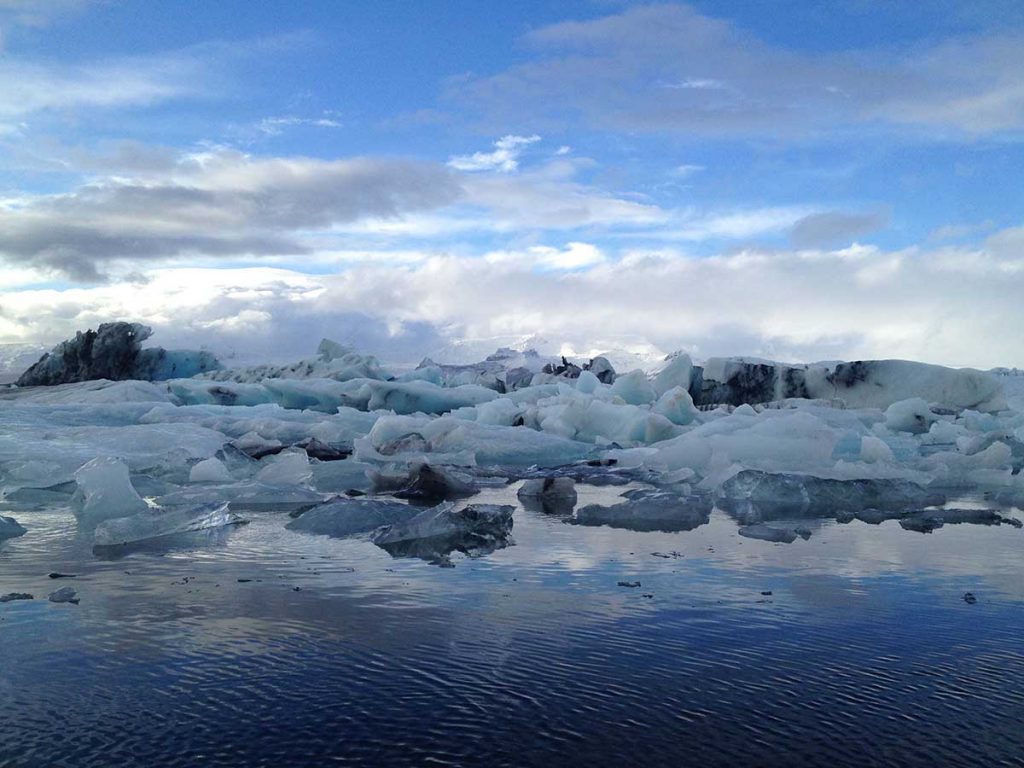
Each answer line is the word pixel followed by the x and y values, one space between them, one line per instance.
pixel 796 181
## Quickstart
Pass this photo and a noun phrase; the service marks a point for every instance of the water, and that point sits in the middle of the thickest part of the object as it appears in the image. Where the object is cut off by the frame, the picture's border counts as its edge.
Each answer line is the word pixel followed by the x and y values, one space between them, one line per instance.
pixel 864 653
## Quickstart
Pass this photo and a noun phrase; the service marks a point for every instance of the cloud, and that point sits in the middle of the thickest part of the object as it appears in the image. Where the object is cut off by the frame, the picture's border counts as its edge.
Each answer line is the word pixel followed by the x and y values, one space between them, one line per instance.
pixel 275 126
pixel 671 69
pixel 218 203
pixel 852 303
pixel 504 158
pixel 819 230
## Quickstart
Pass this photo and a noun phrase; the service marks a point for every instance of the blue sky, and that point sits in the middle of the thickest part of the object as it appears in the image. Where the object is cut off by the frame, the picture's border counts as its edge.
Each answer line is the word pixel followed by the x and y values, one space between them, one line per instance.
pixel 802 180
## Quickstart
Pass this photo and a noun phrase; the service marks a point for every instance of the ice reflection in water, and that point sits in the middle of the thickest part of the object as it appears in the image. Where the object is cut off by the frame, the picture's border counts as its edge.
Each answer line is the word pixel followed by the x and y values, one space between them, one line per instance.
pixel 261 645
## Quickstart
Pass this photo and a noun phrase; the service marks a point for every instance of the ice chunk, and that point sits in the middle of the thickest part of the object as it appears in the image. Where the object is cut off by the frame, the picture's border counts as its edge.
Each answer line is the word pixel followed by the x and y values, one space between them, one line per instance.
pixel 601 368
pixel 677 372
pixel 553 495
pixel 773 534
pixel 911 415
pixel 753 495
pixel 648 511
pixel 434 533
pixel 105 492
pixel 427 483
pixel 210 470
pixel 424 397
pixel 874 449
pixel 64 595
pixel 10 528
pixel 634 388
pixel 244 495
pixel 288 468
pixel 349 517
pixel 676 405
pixel 156 523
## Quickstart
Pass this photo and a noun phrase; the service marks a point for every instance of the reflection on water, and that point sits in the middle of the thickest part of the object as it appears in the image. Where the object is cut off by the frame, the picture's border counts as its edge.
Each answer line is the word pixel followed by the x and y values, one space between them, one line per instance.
pixel 260 645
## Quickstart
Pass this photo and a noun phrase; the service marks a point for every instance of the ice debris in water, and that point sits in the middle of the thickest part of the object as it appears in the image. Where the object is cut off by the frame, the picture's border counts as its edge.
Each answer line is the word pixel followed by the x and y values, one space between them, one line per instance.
pixel 64 595
pixel 424 482
pixel 773 533
pixel 434 533
pixel 648 511
pixel 10 528
pixel 350 517
pixel 754 495
pixel 163 522
pixel 105 492
pixel 554 495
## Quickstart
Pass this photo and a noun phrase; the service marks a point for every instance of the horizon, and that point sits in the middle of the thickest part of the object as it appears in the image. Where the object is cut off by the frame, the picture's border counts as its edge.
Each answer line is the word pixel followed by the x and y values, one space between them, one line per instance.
pixel 823 182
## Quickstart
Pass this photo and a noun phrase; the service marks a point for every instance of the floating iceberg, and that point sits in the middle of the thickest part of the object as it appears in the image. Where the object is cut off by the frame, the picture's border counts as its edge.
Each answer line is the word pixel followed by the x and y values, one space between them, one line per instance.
pixel 10 528
pixel 553 495
pixel 773 533
pixel 113 351
pixel 350 517
pixel 433 534
pixel 157 523
pixel 648 511
pixel 105 492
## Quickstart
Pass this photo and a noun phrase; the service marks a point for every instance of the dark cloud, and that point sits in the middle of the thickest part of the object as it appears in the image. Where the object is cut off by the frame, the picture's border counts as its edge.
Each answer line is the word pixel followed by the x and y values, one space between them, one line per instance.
pixel 224 206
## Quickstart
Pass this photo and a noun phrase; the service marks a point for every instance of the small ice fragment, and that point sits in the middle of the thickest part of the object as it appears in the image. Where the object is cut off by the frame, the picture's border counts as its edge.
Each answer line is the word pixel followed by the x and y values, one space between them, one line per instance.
pixel 554 495
pixel 769 533
pixel 631 584
pixel 64 595
pixel 434 484
pixel 12 596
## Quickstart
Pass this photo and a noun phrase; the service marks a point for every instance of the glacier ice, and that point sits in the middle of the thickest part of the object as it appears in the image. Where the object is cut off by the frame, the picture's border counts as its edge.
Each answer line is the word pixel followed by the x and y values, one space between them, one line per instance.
pixel 648 511
pixel 105 492
pixel 157 523
pixel 552 495
pixel 763 440
pixel 341 518
pixel 114 351
pixel 211 470
pixel 434 533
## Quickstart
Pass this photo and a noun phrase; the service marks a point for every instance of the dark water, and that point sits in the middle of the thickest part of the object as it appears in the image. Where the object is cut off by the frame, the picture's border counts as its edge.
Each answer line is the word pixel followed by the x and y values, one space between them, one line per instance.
pixel 864 653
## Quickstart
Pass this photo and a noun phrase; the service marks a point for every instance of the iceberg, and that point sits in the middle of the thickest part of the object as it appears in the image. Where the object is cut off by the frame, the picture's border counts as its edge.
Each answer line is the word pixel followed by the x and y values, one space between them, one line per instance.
pixel 10 528
pixel 105 492
pixel 553 495
pixel 648 511
pixel 157 523
pixel 342 518
pixel 113 351
pixel 435 533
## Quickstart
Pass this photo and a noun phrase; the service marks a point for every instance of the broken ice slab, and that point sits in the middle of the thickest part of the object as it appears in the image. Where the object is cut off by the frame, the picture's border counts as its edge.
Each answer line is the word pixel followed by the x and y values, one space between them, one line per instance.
pixel 648 511
pixel 773 533
pixel 10 528
pixel 551 495
pixel 105 492
pixel 754 496
pixel 927 520
pixel 157 523
pixel 475 530
pixel 249 494
pixel 347 517
pixel 423 482
pixel 64 595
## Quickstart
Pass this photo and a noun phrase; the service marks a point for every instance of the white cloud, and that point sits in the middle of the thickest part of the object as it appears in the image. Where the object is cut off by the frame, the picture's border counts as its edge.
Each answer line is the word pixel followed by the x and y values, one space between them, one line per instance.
pixel 668 68
pixel 504 158
pixel 941 306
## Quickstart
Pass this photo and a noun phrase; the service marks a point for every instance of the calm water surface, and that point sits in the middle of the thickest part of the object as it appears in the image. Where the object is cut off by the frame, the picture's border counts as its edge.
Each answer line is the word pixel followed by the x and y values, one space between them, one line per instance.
pixel 265 647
